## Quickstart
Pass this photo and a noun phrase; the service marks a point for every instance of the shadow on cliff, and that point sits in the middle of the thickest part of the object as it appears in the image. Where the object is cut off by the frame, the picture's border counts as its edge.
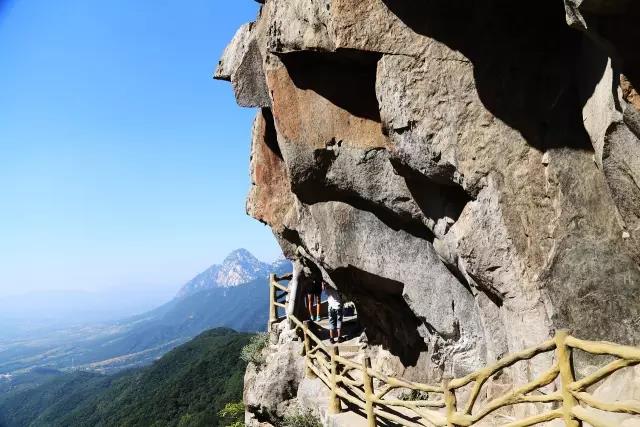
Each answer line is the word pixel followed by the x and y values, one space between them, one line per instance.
pixel 383 313
pixel 523 57
pixel 346 78
pixel 622 33
pixel 435 200
pixel 613 35
pixel 270 133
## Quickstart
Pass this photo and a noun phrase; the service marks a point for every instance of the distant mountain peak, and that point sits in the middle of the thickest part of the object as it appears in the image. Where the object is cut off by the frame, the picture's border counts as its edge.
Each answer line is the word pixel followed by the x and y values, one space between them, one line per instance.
pixel 239 267
pixel 240 255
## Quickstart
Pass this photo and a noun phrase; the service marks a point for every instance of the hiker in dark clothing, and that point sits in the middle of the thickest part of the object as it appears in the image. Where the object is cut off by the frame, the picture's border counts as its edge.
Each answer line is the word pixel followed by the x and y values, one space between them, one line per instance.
pixel 314 292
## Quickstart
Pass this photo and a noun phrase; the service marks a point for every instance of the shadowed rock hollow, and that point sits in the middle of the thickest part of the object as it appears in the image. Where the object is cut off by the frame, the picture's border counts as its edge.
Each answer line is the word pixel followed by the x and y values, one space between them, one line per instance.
pixel 467 172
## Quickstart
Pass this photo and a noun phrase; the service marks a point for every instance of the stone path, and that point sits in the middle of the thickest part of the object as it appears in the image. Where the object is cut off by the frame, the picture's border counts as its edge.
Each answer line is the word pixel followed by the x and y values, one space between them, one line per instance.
pixel 315 392
pixel 351 332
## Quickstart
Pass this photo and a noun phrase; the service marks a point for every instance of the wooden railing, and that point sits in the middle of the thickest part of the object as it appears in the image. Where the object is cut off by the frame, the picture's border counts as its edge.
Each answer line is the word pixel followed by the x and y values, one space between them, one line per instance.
pixel 353 382
pixel 277 298
pixel 358 385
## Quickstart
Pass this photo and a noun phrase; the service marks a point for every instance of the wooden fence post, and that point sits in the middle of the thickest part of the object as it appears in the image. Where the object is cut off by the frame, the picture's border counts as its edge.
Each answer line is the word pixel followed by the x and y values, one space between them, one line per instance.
pixel 565 363
pixel 273 314
pixel 307 349
pixel 334 402
pixel 368 391
pixel 449 402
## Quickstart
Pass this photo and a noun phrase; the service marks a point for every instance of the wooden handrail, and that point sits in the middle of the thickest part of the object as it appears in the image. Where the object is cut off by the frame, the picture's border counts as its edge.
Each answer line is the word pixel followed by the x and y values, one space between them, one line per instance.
pixel 565 369
pixel 505 362
pixel 536 419
pixel 368 392
pixel 516 396
pixel 398 382
pixel 282 288
pixel 410 403
pixel 287 276
pixel 353 382
pixel 601 373
pixel 605 347
pixel 334 402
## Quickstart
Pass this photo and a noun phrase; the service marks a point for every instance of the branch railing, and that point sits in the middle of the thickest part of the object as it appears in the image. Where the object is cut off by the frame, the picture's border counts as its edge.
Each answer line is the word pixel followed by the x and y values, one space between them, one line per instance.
pixel 278 295
pixel 358 385
pixel 353 382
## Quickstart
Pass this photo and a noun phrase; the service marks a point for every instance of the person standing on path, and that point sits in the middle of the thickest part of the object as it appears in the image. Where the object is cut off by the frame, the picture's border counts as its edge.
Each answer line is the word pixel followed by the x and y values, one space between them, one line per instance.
pixel 334 300
pixel 314 291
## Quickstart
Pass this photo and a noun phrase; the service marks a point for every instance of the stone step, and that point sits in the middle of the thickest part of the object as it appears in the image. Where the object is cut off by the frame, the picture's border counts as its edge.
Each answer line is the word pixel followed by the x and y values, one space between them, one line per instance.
pixel 349 348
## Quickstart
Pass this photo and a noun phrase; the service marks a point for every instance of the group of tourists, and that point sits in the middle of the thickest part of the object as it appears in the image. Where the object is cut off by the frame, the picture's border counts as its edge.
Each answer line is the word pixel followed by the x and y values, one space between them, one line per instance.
pixel 334 302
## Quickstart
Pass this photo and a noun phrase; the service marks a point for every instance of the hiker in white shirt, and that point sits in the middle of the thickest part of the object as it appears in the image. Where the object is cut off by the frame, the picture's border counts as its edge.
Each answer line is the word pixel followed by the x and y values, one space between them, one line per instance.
pixel 334 301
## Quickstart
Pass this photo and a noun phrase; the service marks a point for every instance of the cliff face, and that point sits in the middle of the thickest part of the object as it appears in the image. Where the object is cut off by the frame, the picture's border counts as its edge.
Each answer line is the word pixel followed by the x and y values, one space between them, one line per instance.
pixel 467 172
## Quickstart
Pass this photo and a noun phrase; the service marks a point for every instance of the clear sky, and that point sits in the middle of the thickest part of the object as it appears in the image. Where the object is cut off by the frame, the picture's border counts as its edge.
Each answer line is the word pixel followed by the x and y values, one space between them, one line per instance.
pixel 122 163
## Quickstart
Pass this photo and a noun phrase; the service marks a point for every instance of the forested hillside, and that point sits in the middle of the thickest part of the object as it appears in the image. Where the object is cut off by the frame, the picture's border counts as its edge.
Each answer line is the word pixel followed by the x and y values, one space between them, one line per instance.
pixel 186 387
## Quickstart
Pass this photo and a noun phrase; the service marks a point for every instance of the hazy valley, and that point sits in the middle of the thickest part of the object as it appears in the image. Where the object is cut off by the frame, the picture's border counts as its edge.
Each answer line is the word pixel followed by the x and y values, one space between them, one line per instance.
pixel 232 295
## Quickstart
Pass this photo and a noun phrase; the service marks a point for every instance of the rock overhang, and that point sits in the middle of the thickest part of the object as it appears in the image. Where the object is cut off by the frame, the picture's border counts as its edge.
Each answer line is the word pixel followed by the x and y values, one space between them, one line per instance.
pixel 454 131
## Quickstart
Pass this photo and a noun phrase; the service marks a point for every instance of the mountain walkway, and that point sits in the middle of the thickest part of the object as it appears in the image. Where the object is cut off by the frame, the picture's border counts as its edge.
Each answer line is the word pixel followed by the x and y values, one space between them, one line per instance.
pixel 361 394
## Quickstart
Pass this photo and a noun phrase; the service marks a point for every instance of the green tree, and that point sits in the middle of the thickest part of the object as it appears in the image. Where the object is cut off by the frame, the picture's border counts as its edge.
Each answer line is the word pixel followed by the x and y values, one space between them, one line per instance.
pixel 187 387
pixel 233 414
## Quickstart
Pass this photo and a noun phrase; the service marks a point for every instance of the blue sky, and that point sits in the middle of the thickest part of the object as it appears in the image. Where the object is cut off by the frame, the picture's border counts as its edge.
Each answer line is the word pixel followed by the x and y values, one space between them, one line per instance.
pixel 122 163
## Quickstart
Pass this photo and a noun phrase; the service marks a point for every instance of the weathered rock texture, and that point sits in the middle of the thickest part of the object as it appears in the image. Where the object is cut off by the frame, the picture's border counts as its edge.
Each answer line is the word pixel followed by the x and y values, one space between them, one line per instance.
pixel 270 389
pixel 467 172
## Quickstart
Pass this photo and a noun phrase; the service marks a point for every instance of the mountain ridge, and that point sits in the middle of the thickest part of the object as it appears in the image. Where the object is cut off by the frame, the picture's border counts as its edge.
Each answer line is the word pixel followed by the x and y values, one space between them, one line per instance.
pixel 239 267
pixel 140 339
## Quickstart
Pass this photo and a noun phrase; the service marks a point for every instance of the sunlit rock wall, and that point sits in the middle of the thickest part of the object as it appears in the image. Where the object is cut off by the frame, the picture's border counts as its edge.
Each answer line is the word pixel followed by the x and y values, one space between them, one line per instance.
pixel 467 172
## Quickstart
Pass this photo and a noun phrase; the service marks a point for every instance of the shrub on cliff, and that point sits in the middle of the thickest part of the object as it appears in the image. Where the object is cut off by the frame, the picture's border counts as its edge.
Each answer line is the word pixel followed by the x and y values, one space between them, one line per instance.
pixel 253 352
pixel 233 414
pixel 301 418
pixel 414 395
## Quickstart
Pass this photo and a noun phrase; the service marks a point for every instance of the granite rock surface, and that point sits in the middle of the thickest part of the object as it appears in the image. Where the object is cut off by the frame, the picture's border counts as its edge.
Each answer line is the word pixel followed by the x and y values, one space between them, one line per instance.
pixel 468 173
